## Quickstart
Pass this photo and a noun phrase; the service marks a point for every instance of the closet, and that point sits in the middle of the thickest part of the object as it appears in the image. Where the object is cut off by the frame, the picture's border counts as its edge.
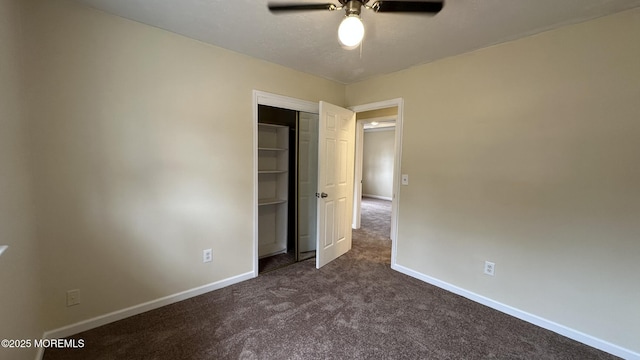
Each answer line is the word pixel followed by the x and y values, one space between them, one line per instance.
pixel 273 189
pixel 287 181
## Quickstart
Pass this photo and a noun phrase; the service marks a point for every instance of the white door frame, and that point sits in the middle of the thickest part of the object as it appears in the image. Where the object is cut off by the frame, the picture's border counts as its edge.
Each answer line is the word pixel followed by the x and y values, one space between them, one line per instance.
pixel 286 102
pixel 357 191
pixel 279 101
pixel 357 175
pixel 399 103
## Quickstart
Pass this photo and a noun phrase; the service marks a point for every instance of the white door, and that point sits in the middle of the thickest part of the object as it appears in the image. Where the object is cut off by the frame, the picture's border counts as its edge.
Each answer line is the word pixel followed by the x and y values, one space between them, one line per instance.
pixel 336 142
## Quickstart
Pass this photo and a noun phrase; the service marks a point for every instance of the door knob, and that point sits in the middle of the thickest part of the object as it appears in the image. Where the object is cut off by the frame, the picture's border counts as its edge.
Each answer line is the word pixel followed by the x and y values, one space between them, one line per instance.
pixel 321 195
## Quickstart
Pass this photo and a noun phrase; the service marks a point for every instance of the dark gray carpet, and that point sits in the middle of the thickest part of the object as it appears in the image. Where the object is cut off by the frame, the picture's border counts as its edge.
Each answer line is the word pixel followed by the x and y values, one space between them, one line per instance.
pixel 354 308
pixel 276 261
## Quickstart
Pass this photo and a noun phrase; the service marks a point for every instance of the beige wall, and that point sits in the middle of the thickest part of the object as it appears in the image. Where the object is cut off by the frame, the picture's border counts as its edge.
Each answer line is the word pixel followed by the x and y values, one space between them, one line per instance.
pixel 140 141
pixel 143 150
pixel 377 162
pixel 19 296
pixel 390 112
pixel 526 154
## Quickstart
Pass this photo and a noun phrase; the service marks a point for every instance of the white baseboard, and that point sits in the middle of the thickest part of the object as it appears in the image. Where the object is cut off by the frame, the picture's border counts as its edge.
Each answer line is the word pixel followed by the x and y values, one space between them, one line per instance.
pixel 377 197
pixel 139 309
pixel 523 315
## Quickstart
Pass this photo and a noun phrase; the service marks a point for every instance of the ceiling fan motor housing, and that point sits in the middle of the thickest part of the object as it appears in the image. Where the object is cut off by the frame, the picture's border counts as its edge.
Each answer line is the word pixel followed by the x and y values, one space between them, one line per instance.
pixel 353 7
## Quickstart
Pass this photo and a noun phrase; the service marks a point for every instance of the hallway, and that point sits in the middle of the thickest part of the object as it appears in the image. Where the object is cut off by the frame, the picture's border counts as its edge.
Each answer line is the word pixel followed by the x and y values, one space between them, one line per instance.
pixel 376 219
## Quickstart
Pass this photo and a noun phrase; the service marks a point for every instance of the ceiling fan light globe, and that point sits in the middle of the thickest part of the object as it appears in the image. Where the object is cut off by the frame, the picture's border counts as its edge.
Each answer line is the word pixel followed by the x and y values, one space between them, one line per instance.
pixel 351 32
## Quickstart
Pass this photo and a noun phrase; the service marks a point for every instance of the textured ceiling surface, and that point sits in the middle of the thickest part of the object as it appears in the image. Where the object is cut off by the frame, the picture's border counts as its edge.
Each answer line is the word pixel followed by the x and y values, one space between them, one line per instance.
pixel 307 41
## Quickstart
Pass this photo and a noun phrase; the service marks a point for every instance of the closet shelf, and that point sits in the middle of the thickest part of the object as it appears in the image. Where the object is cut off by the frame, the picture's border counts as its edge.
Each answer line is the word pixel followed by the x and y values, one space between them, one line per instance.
pixel 273 188
pixel 265 125
pixel 271 149
pixel 262 202
pixel 272 171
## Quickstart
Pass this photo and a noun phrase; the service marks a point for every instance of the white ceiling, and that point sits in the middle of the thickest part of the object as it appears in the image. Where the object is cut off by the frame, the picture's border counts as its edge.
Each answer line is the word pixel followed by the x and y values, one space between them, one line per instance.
pixel 307 41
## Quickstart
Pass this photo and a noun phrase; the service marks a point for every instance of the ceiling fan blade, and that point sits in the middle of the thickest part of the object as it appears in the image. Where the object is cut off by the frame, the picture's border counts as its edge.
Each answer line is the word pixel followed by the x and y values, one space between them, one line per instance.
pixel 408 6
pixel 300 7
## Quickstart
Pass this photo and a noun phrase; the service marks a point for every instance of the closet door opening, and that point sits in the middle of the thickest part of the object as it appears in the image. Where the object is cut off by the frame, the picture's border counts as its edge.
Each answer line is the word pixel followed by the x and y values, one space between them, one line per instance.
pixel 287 182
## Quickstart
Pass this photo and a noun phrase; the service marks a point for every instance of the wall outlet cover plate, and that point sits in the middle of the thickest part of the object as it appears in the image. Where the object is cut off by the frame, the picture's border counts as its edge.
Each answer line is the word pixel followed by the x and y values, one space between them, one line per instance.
pixel 489 268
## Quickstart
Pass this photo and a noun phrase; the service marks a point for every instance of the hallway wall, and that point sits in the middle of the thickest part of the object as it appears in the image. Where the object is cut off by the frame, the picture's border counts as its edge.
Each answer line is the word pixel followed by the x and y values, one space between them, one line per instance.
pixel 377 163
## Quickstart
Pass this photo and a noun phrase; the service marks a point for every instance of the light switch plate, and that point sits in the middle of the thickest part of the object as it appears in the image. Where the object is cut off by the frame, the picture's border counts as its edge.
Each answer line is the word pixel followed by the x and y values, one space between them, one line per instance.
pixel 73 297
pixel 405 179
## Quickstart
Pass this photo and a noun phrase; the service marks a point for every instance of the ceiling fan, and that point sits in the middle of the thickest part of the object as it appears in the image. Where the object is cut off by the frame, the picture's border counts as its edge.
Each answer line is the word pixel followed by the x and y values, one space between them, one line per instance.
pixel 351 30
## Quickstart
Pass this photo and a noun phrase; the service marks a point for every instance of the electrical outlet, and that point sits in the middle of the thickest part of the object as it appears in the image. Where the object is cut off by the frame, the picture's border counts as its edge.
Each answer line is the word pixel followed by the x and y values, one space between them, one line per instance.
pixel 73 297
pixel 207 255
pixel 489 268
